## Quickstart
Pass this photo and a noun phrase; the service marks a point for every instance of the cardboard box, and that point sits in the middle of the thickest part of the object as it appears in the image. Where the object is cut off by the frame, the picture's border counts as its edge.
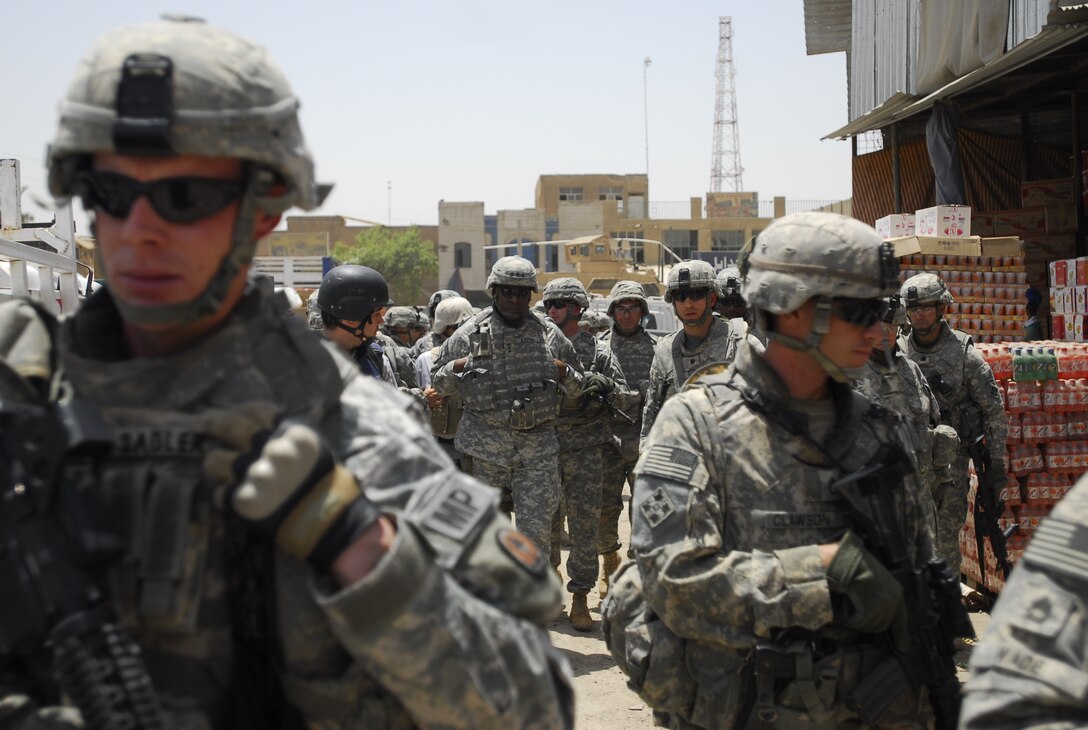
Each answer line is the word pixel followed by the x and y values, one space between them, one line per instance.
pixel 1057 326
pixel 1061 218
pixel 1041 192
pixel 1020 221
pixel 943 221
pixel 896 225
pixel 1002 246
pixel 982 224
pixel 1080 306
pixel 1059 273
pixel 1080 266
pixel 1048 248
pixel 937 247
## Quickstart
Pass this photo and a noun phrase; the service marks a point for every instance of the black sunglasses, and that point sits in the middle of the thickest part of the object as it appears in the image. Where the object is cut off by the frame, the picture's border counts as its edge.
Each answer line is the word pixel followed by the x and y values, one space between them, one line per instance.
pixel 555 304
pixel 515 292
pixel 859 312
pixel 682 295
pixel 174 199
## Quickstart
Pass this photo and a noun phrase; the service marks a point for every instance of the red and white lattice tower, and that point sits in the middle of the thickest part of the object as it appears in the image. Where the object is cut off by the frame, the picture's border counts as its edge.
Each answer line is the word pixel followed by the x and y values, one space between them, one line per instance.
pixel 725 168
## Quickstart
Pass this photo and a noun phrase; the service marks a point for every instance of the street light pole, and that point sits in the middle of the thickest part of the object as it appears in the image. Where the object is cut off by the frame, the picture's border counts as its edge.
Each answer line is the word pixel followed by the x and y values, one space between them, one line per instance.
pixel 646 114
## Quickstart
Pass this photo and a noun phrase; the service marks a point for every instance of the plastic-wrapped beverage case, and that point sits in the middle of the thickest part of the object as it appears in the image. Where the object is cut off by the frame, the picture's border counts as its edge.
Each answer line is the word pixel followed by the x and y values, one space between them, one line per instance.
pixel 1012 397
pixel 1018 363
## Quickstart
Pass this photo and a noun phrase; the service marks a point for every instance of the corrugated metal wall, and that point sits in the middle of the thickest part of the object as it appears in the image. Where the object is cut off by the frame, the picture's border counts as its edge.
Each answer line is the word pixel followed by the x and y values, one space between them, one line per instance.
pixel 884 44
pixel 1026 18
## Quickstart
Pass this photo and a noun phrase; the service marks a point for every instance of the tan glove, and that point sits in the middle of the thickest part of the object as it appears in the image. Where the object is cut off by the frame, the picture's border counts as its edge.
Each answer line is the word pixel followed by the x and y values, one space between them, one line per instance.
pixel 286 486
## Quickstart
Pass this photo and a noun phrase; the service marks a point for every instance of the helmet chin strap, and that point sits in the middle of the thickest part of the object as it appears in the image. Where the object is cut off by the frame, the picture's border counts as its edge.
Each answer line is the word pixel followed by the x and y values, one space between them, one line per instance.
pixel 707 313
pixel 243 245
pixel 821 324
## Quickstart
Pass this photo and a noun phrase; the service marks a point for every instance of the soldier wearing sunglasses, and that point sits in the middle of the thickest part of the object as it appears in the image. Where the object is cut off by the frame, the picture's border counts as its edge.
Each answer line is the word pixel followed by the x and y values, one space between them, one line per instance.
pixel 703 339
pixel 296 551
pixel 753 601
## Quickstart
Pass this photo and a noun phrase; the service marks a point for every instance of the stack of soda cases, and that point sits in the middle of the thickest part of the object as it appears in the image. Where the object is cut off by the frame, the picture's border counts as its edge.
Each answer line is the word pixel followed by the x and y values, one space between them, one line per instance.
pixel 1045 390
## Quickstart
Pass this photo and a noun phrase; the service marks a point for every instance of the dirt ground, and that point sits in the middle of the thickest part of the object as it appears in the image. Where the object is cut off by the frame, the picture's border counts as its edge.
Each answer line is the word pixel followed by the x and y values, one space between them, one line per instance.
pixel 603 701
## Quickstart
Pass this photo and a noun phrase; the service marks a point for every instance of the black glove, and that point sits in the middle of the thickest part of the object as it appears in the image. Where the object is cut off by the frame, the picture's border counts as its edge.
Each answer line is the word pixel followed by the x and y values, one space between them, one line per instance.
pixel 289 486
pixel 597 384
pixel 875 596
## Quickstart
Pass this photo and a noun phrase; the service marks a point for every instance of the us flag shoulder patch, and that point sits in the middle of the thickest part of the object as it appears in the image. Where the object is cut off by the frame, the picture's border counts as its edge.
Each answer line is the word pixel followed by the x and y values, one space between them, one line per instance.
pixel 1060 546
pixel 670 462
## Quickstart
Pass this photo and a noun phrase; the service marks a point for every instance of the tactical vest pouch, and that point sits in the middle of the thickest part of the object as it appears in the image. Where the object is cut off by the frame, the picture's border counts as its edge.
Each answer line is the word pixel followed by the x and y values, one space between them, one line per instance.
pixel 478 389
pixel 534 404
pixel 444 418
pixel 652 656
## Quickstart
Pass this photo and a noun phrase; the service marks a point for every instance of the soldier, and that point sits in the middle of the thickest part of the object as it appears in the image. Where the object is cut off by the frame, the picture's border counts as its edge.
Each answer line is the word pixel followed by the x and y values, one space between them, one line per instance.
pixel 395 337
pixel 634 349
pixel 512 368
pixel 894 381
pixel 1031 667
pixel 427 341
pixel 762 603
pixel 583 433
pixel 398 323
pixel 382 609
pixel 445 411
pixel 968 396
pixel 352 300
pixel 450 314
pixel 419 327
pixel 731 304
pixel 702 340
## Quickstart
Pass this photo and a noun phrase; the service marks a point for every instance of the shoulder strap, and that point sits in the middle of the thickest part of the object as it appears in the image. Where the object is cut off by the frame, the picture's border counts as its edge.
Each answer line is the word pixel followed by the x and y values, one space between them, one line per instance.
pixel 677 361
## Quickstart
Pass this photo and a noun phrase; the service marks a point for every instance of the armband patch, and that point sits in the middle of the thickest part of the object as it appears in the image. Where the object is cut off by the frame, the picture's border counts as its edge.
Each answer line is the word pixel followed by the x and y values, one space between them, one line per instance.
pixel 523 551
pixel 675 464
pixel 456 509
pixel 1060 546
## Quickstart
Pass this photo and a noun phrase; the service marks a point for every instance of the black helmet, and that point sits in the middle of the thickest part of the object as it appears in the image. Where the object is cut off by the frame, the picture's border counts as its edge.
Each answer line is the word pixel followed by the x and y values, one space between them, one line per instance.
pixel 353 292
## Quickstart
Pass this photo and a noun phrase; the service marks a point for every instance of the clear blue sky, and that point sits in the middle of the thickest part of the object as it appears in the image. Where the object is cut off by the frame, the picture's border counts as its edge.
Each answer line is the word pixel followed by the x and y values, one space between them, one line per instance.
pixel 472 100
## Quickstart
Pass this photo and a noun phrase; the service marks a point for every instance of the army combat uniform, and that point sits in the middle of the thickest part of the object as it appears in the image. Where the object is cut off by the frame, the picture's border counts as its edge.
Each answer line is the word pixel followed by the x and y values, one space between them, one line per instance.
pixel 732 498
pixel 511 398
pixel 583 434
pixel 969 400
pixel 426 640
pixel 635 353
pixel 1030 668
pixel 674 362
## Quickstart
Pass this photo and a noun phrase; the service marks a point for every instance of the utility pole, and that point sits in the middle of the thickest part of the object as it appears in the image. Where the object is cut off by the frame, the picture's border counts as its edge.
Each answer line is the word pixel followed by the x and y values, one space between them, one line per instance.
pixel 389 201
pixel 646 113
pixel 725 164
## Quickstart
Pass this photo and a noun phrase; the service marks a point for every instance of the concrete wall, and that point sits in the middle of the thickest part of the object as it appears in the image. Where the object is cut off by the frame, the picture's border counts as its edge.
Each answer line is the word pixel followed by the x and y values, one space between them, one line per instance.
pixel 461 223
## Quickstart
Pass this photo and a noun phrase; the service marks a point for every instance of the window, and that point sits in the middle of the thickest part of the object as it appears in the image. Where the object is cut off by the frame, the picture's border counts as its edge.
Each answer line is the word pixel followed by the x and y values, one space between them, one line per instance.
pixel 610 193
pixel 462 255
pixel 571 194
pixel 682 242
pixel 726 240
pixel 630 250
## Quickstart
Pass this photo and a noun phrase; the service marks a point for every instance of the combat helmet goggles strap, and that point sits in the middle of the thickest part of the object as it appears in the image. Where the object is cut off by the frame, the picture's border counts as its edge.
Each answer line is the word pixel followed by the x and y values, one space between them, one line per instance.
pixel 141 127
pixel 821 324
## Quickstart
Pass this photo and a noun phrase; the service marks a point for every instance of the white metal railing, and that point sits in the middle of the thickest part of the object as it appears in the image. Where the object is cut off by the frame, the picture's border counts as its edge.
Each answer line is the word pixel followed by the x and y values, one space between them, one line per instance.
pixel 298 271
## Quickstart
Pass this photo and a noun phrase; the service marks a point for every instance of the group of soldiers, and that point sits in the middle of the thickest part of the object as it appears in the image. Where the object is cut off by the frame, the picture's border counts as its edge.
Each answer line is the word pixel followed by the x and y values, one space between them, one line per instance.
pixel 291 543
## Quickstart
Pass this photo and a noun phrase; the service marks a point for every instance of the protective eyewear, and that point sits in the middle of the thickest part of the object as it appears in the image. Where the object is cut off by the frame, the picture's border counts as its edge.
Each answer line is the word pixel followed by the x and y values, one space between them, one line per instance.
pixel 174 199
pixel 859 312
pixel 555 304
pixel 628 309
pixel 916 308
pixel 515 292
pixel 682 295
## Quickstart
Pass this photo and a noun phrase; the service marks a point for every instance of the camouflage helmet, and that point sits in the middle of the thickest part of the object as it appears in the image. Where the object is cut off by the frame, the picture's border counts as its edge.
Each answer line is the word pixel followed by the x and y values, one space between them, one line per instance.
pixel 894 312
pixel 924 288
pixel 400 317
pixel 451 312
pixel 566 288
pixel 690 275
pixel 808 255
pixel 182 87
pixel 627 290
pixel 729 281
pixel 512 271
pixel 594 321
pixel 438 296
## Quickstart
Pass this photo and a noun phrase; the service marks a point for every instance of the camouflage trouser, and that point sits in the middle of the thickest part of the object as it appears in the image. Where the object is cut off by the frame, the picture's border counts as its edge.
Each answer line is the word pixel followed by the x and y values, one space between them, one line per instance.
pixel 580 474
pixel 951 506
pixel 614 471
pixel 535 491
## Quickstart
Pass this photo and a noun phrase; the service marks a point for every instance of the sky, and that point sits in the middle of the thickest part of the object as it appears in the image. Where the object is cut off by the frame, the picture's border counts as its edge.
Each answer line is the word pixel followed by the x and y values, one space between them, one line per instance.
pixel 405 103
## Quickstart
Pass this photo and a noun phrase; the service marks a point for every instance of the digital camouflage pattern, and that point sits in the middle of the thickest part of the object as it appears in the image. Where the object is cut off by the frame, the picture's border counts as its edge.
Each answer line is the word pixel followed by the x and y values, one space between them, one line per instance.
pixel 720 345
pixel 974 397
pixel 1030 668
pixel 729 510
pixel 635 353
pixel 902 389
pixel 583 435
pixel 404 367
pixel 511 395
pixel 428 639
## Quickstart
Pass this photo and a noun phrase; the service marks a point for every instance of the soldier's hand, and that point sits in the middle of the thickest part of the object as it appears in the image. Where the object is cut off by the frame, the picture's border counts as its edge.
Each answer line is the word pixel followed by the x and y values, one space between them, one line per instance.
pixel 289 486
pixel 594 383
pixel 434 400
pixel 875 596
pixel 562 367
pixel 460 364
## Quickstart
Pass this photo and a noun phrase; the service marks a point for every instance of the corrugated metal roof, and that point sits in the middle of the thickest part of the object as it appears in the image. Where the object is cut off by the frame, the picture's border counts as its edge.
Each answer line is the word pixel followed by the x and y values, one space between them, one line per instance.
pixel 827 26
pixel 1052 38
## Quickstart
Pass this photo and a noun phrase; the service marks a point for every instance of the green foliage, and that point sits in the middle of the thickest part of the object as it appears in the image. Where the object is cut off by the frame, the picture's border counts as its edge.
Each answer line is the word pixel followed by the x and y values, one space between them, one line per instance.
pixel 404 258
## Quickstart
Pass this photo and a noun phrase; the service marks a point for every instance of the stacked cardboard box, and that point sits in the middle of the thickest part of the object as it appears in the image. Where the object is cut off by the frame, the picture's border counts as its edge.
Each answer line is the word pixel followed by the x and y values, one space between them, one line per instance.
pixel 1045 390
pixel 1068 279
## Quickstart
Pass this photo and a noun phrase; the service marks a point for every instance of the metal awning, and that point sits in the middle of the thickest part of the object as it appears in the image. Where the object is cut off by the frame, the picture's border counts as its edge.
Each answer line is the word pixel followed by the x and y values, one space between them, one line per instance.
pixel 902 105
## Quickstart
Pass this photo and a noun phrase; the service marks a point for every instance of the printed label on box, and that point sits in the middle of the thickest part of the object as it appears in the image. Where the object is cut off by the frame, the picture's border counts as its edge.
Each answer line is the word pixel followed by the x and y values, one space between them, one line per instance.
pixel 943 221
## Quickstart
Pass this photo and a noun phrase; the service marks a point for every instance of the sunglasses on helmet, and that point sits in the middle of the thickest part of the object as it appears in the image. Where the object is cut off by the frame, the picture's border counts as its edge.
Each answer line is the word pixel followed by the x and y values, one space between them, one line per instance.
pixel 174 199
pixel 859 312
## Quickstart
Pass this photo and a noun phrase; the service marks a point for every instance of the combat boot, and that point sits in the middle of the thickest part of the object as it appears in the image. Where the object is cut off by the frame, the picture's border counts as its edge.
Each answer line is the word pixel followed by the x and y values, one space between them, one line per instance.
pixel 611 564
pixel 579 613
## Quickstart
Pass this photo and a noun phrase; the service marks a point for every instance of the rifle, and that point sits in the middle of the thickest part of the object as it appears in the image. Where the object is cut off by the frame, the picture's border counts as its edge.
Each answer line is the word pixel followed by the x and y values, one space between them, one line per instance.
pixel 988 506
pixel 53 535
pixel 936 615
pixel 602 398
